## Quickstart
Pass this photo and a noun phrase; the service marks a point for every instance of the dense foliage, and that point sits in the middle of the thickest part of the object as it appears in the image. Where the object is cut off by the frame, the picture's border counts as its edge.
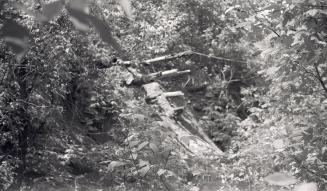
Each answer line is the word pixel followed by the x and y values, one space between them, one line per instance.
pixel 266 107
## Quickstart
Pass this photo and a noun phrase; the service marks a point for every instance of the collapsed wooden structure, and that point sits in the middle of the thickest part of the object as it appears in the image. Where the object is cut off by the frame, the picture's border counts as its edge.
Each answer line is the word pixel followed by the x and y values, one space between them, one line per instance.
pixel 179 119
pixel 197 143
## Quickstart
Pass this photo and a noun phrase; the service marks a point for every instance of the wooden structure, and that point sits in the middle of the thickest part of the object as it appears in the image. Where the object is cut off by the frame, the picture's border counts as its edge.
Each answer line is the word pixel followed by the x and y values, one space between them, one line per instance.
pixel 180 120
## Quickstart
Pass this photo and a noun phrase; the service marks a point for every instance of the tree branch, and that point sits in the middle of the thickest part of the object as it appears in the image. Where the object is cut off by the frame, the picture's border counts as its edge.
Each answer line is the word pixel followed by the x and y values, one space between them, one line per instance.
pixel 319 78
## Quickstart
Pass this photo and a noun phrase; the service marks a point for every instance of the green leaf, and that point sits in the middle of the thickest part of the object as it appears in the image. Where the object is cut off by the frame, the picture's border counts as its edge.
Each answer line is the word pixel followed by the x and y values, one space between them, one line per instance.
pixel 142 145
pixel 279 144
pixel 143 163
pixel 307 187
pixel 312 12
pixel 144 170
pixel 232 8
pixel 161 172
pixel 133 143
pixel 115 164
pixel 280 179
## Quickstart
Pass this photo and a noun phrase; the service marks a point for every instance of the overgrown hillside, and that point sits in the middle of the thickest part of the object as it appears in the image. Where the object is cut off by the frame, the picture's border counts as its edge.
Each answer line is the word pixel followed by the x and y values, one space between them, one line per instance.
pixel 197 95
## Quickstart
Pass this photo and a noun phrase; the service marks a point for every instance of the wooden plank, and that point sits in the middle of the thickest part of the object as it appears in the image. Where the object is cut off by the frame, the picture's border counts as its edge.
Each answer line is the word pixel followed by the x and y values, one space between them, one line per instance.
pixel 173 94
pixel 144 79
pixel 167 57
pixel 198 145
pixel 189 53
pixel 153 90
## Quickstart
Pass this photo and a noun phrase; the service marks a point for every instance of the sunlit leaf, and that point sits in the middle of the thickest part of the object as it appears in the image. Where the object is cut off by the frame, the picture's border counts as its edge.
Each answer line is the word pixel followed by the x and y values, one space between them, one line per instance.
pixel 161 172
pixel 280 179
pixel 144 170
pixel 137 117
pixel 126 5
pixel 134 156
pixel 142 145
pixel 312 12
pixel 307 187
pixel 133 143
pixel 232 8
pixel 143 163
pixel 52 9
pixel 115 164
pixel 279 144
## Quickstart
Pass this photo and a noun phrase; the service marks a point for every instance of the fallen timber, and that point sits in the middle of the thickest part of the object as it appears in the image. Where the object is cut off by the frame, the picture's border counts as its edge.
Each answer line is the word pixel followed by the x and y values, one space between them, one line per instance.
pixel 115 61
pixel 189 53
pixel 143 79
pixel 199 143
pixel 179 119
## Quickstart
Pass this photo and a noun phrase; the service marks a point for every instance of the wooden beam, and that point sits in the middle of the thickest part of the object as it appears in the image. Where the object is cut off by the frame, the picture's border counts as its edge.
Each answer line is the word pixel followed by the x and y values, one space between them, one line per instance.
pixel 167 57
pixel 144 79
pixel 173 94
pixel 170 115
pixel 188 53
pixel 151 99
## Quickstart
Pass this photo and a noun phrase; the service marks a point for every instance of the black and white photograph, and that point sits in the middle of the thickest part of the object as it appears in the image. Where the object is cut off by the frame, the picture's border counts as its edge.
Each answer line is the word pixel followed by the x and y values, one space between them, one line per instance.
pixel 163 95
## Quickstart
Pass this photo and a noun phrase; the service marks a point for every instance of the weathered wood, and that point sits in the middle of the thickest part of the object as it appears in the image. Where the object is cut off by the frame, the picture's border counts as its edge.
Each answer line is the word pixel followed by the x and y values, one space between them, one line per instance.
pixel 167 57
pixel 173 94
pixel 201 145
pixel 188 53
pixel 178 110
pixel 153 90
pixel 144 79
pixel 113 62
pixel 197 144
pixel 192 143
pixel 158 74
pixel 190 119
pixel 174 74
pixel 167 74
